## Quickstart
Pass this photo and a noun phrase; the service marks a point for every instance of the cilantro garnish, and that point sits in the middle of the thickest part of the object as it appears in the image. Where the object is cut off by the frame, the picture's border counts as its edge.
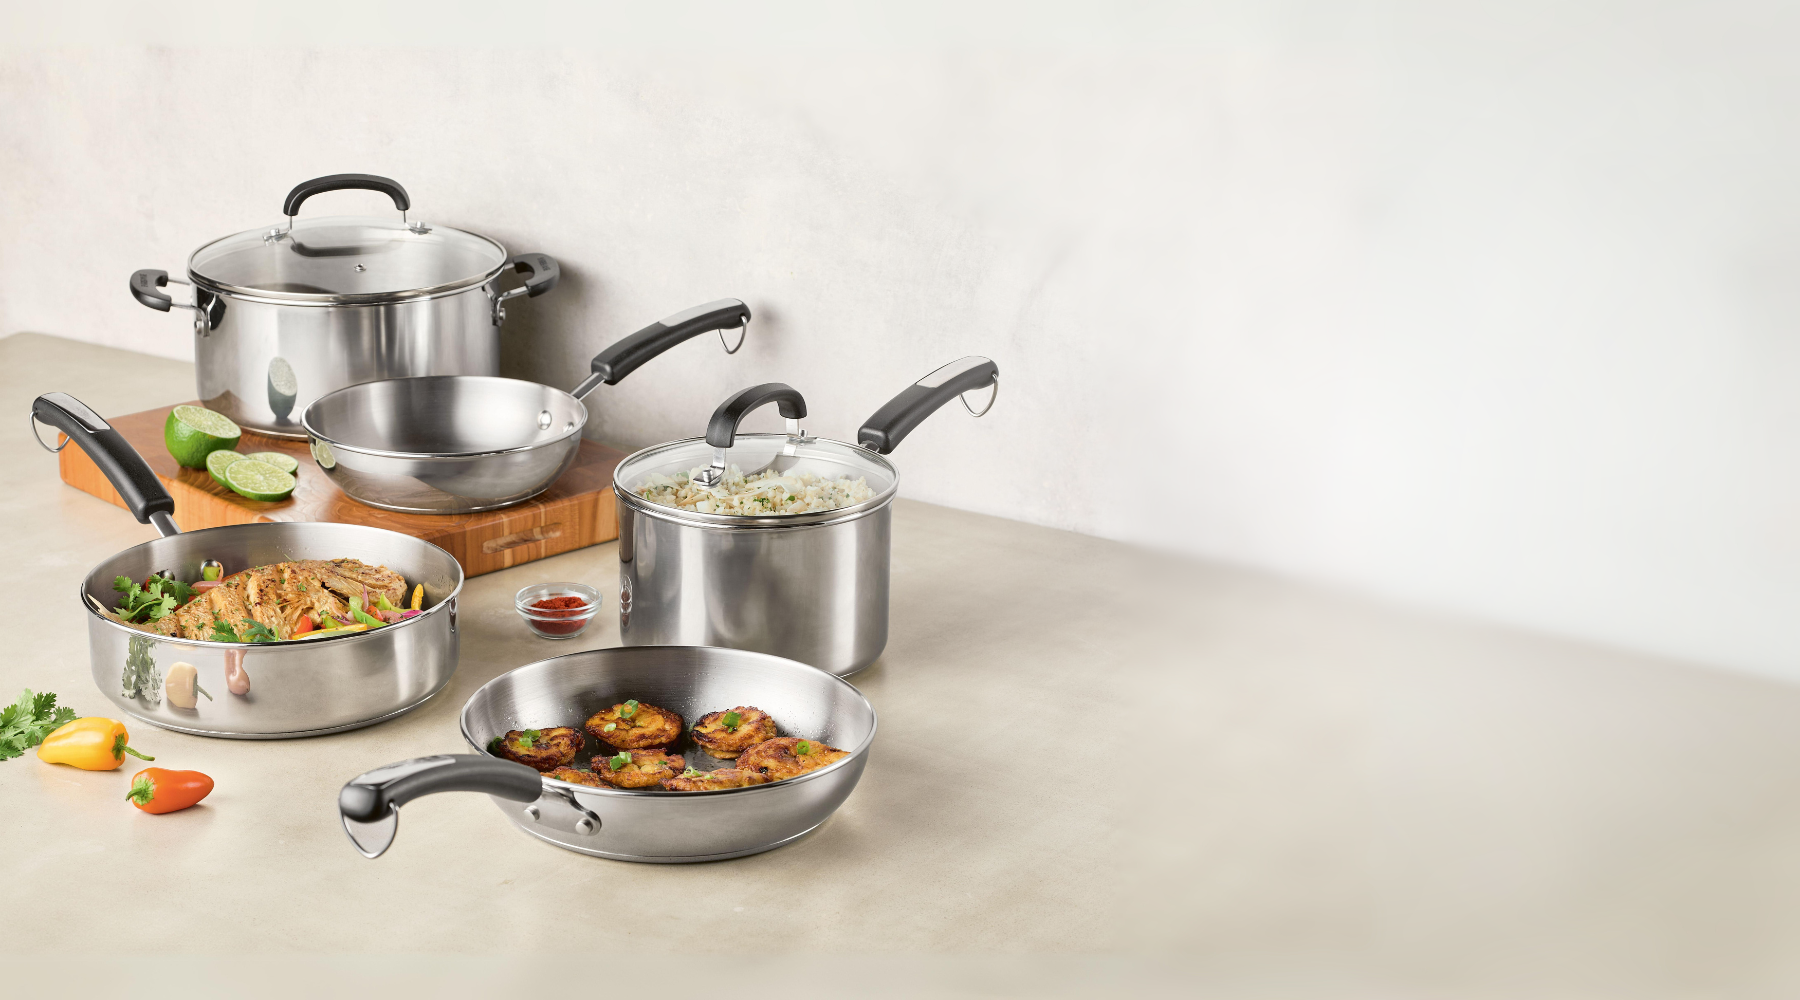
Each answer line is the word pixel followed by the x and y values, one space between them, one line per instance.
pixel 258 632
pixel 150 603
pixel 222 631
pixel 26 722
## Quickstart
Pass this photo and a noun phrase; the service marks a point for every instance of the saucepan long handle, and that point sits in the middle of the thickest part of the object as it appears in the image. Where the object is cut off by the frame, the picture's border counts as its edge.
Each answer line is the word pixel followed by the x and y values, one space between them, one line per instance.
pixel 143 493
pixel 369 803
pixel 626 356
pixel 888 426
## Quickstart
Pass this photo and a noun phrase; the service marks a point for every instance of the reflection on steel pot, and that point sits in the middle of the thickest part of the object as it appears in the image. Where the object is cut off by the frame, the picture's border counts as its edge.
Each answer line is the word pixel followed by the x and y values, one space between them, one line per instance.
pixel 303 687
pixel 635 825
pixel 812 586
pixel 286 314
pixel 452 444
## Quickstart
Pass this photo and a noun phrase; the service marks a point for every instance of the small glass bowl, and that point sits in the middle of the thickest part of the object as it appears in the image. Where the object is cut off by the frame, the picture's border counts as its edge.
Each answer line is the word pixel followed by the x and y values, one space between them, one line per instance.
pixel 565 624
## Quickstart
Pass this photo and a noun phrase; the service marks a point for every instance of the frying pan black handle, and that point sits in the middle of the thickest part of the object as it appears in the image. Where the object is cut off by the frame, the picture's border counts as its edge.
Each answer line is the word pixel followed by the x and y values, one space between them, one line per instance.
pixel 888 426
pixel 344 182
pixel 541 270
pixel 368 797
pixel 143 493
pixel 721 431
pixel 625 356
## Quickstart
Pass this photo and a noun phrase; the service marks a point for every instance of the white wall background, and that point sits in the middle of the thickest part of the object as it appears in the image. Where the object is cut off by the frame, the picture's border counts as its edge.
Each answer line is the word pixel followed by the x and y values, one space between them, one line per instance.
pixel 1489 306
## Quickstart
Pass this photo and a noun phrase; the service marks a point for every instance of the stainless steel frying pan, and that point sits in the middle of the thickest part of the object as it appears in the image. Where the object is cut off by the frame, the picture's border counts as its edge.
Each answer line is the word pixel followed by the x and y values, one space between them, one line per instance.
pixel 453 444
pixel 265 690
pixel 635 825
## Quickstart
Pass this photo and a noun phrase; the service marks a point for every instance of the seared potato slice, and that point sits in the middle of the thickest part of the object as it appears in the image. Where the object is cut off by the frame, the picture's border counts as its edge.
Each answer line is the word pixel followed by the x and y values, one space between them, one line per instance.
pixel 635 726
pixel 578 777
pixel 544 749
pixel 710 781
pixel 788 757
pixel 726 734
pixel 637 768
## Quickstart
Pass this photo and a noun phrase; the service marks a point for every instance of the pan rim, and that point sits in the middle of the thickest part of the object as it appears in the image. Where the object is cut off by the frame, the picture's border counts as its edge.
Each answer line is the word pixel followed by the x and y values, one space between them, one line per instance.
pixel 429 456
pixel 860 751
pixel 81 592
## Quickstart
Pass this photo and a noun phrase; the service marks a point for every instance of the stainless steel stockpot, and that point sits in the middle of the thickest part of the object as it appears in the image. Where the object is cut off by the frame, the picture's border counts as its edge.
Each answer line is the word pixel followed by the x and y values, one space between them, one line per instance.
pixel 270 690
pixel 287 314
pixel 812 587
pixel 453 444
pixel 635 825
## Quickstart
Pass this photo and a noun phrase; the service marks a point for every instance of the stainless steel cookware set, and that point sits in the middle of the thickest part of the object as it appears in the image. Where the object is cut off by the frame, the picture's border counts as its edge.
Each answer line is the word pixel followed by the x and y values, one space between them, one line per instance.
pixel 377 339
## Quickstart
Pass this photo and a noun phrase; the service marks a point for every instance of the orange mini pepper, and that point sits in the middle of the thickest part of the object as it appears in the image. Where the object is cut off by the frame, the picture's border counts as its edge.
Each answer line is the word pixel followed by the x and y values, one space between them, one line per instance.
pixel 160 790
pixel 92 744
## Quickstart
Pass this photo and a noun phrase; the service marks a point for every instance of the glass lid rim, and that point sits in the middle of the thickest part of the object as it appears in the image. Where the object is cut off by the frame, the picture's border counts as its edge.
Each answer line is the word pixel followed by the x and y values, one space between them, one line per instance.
pixel 880 499
pixel 199 277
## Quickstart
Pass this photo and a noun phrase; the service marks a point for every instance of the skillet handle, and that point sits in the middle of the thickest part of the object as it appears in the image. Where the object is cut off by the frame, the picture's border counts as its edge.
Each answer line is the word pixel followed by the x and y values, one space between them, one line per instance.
pixel 888 426
pixel 369 803
pixel 144 494
pixel 627 355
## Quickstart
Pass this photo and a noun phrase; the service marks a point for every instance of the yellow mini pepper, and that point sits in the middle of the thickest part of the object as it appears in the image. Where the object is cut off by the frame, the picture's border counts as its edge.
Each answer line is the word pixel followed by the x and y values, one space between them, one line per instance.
pixel 92 744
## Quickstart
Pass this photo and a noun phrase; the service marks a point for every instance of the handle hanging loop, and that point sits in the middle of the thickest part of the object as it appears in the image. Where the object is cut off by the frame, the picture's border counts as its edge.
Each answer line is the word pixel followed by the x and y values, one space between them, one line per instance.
pixel 990 403
pixel 742 330
pixel 31 418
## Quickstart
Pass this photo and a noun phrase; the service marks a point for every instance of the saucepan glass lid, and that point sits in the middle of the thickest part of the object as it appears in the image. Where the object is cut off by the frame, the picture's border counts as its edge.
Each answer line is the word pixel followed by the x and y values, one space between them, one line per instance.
pixel 347 258
pixel 768 476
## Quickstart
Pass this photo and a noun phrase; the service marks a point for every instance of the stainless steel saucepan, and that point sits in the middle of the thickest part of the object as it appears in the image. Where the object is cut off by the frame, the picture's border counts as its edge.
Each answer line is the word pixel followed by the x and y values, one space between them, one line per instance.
pixel 283 315
pixel 635 825
pixel 452 444
pixel 809 586
pixel 265 690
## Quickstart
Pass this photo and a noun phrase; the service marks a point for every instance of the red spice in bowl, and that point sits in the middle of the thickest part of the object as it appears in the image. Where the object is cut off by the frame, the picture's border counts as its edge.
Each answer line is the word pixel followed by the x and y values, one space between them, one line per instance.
pixel 573 611
pixel 557 610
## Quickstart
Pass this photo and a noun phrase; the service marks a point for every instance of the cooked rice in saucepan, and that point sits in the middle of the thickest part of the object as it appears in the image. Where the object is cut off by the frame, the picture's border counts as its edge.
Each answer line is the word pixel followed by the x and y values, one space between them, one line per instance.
pixel 763 493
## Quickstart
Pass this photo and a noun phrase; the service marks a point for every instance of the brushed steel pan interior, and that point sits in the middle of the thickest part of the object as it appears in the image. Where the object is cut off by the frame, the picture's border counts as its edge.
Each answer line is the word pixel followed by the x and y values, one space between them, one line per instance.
pixel 271 690
pixel 636 825
pixel 455 444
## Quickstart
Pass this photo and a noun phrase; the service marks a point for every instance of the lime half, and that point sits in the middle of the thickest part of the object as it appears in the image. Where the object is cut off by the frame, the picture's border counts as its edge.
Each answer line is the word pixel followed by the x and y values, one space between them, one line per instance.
pixel 259 480
pixel 191 433
pixel 216 463
pixel 285 462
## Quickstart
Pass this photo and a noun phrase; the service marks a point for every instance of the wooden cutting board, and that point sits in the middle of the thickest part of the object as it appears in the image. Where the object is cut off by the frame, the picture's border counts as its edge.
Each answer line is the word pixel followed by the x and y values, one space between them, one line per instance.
pixel 576 512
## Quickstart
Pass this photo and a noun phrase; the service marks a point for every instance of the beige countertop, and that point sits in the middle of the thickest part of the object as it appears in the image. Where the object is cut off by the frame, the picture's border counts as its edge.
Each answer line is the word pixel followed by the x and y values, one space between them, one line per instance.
pixel 1098 771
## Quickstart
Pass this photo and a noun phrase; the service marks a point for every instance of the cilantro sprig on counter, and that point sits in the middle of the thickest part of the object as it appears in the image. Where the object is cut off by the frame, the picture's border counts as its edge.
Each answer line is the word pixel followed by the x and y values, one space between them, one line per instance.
pixel 26 722
pixel 152 601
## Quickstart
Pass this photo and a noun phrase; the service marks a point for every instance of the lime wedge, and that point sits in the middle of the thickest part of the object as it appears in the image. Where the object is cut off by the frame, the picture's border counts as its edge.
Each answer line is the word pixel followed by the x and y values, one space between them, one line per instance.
pixel 191 433
pixel 216 463
pixel 259 480
pixel 281 460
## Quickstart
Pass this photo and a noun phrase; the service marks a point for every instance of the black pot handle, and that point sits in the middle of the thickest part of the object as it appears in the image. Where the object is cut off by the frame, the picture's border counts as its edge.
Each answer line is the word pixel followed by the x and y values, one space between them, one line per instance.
pixel 144 494
pixel 344 182
pixel 626 356
pixel 540 269
pixel 721 431
pixel 145 287
pixel 369 803
pixel 888 426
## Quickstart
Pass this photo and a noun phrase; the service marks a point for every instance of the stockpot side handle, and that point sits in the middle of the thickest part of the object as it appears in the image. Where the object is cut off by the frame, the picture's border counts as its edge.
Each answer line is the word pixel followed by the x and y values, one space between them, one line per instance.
pixel 369 802
pixel 540 269
pixel 721 431
pixel 344 182
pixel 144 494
pixel 888 426
pixel 627 355
pixel 146 287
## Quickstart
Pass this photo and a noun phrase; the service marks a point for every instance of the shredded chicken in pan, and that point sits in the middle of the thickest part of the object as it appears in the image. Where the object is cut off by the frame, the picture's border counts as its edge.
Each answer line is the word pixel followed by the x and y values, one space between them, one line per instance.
pixel 277 596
